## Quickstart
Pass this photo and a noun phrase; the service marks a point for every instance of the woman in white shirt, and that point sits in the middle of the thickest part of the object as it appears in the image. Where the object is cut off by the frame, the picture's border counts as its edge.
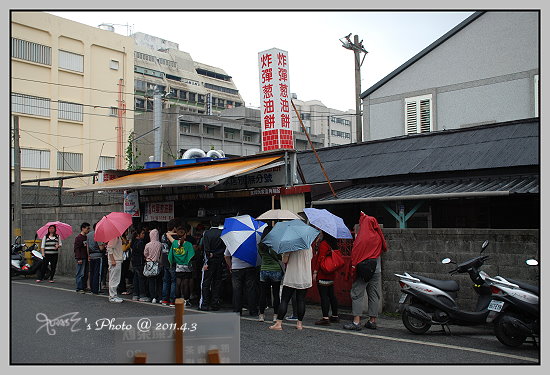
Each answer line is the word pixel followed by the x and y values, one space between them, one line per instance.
pixel 297 279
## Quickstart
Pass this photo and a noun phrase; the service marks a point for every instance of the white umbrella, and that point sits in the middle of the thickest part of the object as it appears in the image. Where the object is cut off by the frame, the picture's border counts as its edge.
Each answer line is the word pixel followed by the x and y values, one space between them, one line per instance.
pixel 278 214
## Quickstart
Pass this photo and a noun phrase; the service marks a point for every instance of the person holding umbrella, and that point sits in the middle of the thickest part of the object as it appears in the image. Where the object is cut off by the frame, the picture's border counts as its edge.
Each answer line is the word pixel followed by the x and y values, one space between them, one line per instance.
pixel 293 239
pixel 325 280
pixel 51 243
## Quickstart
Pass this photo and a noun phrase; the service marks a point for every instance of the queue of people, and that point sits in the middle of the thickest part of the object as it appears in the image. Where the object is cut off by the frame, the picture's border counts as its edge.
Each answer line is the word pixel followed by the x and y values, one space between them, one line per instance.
pixel 192 263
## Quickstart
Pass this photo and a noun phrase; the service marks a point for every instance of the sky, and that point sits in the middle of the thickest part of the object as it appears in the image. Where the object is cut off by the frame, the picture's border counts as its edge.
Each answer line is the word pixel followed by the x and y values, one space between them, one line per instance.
pixel 320 68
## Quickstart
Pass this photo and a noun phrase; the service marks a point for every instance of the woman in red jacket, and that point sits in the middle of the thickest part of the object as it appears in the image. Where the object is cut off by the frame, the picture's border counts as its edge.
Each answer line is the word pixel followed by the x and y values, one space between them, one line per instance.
pixel 325 281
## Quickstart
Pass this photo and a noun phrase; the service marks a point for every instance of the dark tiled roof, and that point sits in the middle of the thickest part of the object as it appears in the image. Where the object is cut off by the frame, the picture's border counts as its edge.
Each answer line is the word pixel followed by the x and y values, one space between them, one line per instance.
pixel 425 189
pixel 512 144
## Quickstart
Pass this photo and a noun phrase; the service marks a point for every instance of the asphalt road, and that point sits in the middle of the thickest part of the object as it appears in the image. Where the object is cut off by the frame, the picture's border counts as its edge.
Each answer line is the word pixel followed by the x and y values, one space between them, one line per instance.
pixel 391 343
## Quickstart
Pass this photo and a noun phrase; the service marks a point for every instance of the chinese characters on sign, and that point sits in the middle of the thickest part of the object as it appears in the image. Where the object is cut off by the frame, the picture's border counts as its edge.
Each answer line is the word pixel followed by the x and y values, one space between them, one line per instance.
pixel 131 203
pixel 275 100
pixel 159 211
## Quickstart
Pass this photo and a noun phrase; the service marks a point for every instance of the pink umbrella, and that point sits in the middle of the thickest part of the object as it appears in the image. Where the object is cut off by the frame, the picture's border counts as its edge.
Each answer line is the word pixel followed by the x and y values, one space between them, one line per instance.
pixel 112 226
pixel 62 229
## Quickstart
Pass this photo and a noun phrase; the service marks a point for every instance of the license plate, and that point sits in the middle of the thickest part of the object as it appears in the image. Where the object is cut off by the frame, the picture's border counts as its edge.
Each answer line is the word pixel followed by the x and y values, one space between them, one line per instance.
pixel 403 298
pixel 495 305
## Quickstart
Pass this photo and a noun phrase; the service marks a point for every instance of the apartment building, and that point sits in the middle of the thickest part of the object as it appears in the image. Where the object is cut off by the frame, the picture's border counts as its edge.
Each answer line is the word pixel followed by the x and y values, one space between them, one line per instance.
pixel 334 127
pixel 70 85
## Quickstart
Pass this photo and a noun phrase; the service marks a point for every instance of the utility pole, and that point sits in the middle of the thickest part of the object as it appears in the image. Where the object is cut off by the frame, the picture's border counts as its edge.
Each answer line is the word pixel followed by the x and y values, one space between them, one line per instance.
pixel 17 205
pixel 357 48
pixel 157 115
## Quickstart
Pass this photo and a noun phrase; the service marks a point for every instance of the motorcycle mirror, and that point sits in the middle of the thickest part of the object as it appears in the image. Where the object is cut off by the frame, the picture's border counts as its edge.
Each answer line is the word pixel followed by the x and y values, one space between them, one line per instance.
pixel 532 262
pixel 446 261
pixel 485 244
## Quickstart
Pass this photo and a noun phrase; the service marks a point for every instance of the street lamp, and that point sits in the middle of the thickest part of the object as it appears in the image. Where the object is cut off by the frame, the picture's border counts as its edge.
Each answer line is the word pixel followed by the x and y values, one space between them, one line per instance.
pixel 357 47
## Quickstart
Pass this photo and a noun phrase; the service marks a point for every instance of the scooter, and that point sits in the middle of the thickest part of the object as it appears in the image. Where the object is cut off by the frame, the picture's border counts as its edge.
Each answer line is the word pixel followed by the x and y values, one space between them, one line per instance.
pixel 514 310
pixel 425 301
pixel 19 265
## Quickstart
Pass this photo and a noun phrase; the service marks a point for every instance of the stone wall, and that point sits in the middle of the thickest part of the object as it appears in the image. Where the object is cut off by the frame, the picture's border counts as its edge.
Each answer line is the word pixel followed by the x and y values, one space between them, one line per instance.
pixel 34 218
pixel 421 251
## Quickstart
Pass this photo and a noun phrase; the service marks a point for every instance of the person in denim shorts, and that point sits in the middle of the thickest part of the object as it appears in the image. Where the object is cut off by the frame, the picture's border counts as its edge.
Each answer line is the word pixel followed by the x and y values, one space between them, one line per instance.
pixel 271 275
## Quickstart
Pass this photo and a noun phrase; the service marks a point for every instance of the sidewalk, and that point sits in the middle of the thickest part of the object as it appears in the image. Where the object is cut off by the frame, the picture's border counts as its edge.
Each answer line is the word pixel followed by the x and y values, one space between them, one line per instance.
pixel 313 311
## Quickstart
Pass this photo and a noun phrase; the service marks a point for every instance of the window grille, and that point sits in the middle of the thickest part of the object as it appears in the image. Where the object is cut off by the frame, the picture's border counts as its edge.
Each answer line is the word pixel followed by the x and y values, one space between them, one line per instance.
pixel 418 115
pixel 71 61
pixel 69 161
pixel 106 163
pixel 24 50
pixel 70 111
pixel 30 105
pixel 31 158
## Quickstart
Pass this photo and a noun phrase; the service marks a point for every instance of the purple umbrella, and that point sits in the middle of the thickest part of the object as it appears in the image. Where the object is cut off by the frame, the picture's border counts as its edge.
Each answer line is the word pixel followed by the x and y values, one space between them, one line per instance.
pixel 328 222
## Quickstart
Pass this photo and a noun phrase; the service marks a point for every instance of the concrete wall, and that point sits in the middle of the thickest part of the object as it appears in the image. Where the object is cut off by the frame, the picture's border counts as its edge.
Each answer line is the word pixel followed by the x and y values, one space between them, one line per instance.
pixel 34 218
pixel 421 251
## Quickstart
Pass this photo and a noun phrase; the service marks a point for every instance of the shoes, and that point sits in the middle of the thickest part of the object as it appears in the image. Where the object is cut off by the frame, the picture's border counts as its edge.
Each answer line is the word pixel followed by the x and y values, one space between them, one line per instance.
pixel 115 300
pixel 154 300
pixel 135 298
pixel 164 302
pixel 187 303
pixel 261 318
pixel 81 291
pixel 38 281
pixel 352 326
pixel 144 299
pixel 125 293
pixel 292 318
pixel 51 281
pixel 172 304
pixel 322 322
pixel 370 325
pixel 334 319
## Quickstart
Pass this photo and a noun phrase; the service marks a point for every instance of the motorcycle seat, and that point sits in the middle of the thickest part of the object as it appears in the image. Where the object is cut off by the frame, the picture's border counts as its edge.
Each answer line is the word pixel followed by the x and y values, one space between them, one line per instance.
pixel 447 285
pixel 528 287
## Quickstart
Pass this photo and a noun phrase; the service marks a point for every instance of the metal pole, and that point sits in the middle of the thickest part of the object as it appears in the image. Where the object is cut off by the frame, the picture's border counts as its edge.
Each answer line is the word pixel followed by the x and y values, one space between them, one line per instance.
pixel 17 205
pixel 359 123
pixel 157 115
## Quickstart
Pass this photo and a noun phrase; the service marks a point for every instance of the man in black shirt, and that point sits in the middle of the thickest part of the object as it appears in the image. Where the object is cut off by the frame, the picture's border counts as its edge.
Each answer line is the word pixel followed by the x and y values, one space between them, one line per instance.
pixel 214 248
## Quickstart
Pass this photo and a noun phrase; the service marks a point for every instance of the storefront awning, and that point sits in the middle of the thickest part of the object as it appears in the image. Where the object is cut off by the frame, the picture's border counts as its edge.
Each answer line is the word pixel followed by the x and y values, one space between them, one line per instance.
pixel 469 188
pixel 209 174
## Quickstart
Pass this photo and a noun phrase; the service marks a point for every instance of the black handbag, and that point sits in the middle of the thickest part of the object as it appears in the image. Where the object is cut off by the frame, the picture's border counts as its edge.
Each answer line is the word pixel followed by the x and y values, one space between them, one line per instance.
pixel 366 268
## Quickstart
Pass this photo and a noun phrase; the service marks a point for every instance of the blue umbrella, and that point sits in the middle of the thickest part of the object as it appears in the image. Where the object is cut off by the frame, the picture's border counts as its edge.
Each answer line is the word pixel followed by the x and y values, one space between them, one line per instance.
pixel 290 235
pixel 241 235
pixel 328 222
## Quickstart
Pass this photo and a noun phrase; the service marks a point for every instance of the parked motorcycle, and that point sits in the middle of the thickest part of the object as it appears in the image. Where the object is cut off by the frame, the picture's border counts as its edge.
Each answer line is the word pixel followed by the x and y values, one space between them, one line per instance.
pixel 425 301
pixel 19 265
pixel 514 310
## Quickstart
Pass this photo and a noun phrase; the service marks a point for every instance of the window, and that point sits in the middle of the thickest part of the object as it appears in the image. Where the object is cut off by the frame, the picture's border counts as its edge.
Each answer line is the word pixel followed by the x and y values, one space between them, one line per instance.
pixel 183 95
pixel 140 85
pixel 113 111
pixel 140 103
pixel 70 111
pixel 305 116
pixel 144 56
pixel 201 98
pixel 210 130
pixel 105 163
pixel 340 134
pixel 113 64
pixel 69 161
pixel 536 84
pixel 30 105
pixel 192 97
pixel 229 135
pixel 221 89
pixel 71 61
pixel 221 103
pixel 247 138
pixel 36 159
pixel 38 53
pixel 186 129
pixel 169 63
pixel 418 114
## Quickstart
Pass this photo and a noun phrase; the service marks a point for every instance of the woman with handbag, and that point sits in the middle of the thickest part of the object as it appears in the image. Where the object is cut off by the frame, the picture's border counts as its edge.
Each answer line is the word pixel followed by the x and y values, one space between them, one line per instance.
pixel 323 275
pixel 180 254
pixel 151 270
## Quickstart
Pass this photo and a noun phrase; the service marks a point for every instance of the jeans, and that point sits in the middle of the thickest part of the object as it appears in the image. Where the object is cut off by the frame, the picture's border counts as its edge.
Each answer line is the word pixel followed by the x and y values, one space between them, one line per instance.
pixel 300 302
pixel 169 284
pixel 270 282
pixel 328 299
pixel 244 280
pixel 139 282
pixel 95 264
pixel 114 278
pixel 79 278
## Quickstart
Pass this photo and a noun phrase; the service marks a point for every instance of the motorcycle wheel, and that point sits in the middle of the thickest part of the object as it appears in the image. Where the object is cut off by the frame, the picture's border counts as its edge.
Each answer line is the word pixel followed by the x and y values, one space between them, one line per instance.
pixel 413 324
pixel 505 337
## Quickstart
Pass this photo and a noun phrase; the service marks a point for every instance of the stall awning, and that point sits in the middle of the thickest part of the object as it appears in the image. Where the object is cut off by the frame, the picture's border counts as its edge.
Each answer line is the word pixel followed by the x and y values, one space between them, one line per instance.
pixel 468 188
pixel 209 174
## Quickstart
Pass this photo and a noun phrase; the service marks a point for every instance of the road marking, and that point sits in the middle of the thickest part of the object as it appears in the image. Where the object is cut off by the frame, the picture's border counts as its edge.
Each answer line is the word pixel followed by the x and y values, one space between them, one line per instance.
pixel 409 341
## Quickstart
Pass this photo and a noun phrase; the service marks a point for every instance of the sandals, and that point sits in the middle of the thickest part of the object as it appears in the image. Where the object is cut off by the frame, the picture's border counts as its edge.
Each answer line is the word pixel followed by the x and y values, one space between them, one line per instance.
pixel 275 328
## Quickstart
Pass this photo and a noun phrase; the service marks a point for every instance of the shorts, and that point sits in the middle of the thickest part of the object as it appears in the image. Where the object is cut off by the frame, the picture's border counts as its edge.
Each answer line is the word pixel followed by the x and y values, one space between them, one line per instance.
pixel 273 276
pixel 184 275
